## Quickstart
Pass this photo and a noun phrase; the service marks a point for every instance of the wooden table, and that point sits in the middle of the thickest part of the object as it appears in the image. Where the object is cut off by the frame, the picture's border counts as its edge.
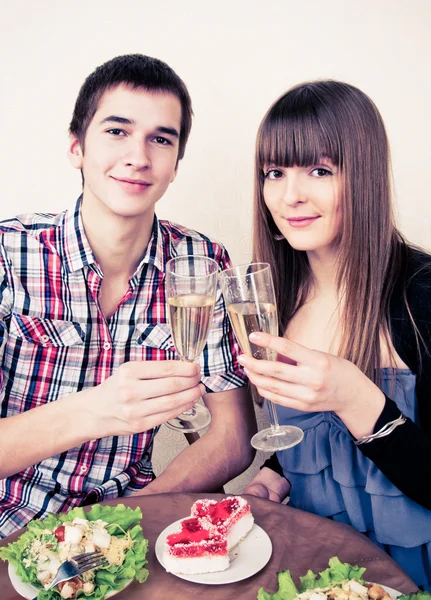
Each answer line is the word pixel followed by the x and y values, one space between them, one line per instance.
pixel 300 541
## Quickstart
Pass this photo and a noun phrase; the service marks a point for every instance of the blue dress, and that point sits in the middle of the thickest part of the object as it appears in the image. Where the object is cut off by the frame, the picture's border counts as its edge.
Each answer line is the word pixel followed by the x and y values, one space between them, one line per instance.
pixel 332 478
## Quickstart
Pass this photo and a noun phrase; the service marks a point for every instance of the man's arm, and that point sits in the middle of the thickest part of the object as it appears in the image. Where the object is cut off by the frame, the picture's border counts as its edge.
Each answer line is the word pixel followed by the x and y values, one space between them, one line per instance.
pixel 137 397
pixel 220 455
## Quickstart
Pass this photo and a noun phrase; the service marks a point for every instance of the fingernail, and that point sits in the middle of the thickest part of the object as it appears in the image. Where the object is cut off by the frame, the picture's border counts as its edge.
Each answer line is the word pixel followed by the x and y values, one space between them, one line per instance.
pixel 202 388
pixel 254 336
pixel 242 359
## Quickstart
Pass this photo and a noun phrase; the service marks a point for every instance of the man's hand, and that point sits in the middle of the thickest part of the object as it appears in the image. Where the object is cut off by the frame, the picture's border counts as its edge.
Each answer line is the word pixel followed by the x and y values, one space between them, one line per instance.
pixel 143 394
pixel 269 485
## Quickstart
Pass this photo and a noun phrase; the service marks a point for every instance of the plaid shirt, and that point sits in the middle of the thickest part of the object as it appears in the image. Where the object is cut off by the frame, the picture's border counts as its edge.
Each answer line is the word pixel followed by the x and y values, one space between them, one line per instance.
pixel 54 341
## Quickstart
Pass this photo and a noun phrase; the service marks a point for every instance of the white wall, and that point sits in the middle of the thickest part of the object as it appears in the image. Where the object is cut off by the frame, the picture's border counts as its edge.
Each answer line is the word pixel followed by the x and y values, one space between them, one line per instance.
pixel 236 57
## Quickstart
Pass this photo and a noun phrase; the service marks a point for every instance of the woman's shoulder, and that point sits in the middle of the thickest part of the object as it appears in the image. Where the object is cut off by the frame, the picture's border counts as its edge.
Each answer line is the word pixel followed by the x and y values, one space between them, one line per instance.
pixel 414 274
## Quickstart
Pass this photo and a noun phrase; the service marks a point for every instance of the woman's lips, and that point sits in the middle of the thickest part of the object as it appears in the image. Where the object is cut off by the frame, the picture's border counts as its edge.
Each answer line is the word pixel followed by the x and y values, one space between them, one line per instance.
pixel 300 222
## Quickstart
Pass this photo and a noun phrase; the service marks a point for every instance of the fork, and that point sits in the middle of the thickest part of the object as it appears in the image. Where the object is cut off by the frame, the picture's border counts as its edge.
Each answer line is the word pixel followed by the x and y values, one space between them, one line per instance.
pixel 76 566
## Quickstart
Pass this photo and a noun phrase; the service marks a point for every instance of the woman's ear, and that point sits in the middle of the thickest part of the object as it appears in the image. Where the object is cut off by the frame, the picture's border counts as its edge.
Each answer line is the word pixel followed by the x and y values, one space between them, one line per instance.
pixel 74 152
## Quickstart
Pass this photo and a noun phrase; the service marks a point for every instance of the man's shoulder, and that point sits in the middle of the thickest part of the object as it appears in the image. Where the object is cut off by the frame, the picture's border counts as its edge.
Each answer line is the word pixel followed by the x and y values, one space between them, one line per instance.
pixel 31 224
pixel 179 235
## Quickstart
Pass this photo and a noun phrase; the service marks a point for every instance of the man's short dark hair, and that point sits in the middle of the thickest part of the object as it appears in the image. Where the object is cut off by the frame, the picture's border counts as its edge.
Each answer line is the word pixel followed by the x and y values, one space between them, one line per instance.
pixel 136 71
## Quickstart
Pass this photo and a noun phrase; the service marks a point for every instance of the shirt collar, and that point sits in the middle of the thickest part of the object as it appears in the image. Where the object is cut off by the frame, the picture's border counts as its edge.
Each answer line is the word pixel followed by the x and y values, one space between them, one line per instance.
pixel 154 253
pixel 77 250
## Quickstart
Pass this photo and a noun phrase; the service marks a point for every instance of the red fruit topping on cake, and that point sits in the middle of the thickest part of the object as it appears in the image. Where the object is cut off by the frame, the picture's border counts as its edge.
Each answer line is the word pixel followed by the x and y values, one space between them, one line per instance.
pixel 203 541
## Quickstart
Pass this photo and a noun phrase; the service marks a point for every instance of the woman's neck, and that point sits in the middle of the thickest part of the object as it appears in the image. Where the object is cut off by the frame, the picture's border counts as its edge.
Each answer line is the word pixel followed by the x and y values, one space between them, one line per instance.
pixel 323 265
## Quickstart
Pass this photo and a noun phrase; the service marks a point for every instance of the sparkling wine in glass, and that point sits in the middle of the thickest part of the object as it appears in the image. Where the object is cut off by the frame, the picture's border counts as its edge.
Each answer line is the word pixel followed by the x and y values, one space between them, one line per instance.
pixel 248 291
pixel 191 286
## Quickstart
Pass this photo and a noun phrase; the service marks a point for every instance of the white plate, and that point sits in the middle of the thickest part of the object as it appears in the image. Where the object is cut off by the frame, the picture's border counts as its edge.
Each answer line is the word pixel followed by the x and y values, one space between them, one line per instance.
pixel 26 590
pixel 253 554
pixel 393 593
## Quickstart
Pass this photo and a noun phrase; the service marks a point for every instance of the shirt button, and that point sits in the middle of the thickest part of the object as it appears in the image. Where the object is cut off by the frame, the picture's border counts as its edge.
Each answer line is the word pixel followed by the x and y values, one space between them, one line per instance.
pixel 106 345
pixel 44 338
pixel 83 469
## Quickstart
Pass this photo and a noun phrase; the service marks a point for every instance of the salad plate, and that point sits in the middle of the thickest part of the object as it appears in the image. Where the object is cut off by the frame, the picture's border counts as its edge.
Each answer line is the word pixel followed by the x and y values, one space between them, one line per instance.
pixel 28 591
pixel 340 581
pixel 393 593
pixel 251 555
pixel 44 544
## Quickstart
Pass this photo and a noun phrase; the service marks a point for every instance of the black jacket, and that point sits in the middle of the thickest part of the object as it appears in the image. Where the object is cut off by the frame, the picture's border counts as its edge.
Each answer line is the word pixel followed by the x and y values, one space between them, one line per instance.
pixel 404 456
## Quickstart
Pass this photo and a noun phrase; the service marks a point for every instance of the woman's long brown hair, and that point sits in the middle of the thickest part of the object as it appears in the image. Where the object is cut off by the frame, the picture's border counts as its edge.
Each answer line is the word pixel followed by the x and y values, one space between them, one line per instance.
pixel 336 120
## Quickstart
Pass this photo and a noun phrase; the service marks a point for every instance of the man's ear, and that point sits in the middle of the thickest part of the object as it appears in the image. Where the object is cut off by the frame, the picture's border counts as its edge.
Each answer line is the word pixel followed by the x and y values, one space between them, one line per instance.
pixel 74 152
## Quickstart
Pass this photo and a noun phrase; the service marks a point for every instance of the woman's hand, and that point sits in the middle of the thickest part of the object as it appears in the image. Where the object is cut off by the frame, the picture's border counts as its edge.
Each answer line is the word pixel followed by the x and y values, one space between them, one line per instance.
pixel 269 485
pixel 313 381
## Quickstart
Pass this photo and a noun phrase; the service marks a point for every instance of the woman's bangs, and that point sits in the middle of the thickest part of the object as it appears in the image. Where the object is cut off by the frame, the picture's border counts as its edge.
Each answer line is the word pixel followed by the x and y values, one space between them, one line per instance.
pixel 288 140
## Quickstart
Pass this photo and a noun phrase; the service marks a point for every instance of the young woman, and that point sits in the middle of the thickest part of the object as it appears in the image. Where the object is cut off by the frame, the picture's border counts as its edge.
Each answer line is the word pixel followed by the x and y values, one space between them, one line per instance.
pixel 354 300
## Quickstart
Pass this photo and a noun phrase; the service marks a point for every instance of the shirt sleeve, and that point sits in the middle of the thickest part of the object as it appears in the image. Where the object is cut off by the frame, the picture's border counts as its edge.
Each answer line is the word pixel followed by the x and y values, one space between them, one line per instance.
pixel 4 311
pixel 220 368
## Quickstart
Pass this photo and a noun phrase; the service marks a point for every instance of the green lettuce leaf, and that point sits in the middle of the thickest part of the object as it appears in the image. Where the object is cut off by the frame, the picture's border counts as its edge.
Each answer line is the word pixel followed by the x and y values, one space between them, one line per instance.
pixel 416 596
pixel 336 572
pixel 110 579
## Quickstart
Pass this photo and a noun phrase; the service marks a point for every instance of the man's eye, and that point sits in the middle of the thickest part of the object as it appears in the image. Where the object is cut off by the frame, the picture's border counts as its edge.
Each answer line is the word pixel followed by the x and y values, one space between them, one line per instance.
pixel 272 174
pixel 162 140
pixel 116 132
pixel 321 172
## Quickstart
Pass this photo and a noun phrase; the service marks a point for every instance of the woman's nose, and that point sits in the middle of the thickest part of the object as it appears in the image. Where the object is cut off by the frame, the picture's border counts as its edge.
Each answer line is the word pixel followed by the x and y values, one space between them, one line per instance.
pixel 293 190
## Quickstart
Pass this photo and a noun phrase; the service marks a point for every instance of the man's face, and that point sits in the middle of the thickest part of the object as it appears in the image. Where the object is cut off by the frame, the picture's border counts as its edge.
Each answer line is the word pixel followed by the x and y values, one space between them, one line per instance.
pixel 130 151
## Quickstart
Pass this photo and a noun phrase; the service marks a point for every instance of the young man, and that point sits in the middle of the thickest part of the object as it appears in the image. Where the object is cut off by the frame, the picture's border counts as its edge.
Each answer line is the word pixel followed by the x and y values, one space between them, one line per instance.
pixel 88 369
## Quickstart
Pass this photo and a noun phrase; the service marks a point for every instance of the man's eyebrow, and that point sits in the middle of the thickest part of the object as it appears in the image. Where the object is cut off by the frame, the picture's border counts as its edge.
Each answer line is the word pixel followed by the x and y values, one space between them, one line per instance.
pixel 116 119
pixel 168 130
pixel 124 121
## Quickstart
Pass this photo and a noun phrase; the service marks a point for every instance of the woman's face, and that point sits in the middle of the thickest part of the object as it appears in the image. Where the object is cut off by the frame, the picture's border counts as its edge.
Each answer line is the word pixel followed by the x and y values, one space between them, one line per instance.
pixel 305 203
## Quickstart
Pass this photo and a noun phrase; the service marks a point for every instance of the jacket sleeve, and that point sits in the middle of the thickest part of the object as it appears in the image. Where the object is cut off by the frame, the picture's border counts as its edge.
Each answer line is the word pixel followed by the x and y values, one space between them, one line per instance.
pixel 404 456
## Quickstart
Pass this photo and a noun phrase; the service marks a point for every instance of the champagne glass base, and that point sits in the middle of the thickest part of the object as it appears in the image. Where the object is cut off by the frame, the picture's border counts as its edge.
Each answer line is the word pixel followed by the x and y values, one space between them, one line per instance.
pixel 280 438
pixel 195 419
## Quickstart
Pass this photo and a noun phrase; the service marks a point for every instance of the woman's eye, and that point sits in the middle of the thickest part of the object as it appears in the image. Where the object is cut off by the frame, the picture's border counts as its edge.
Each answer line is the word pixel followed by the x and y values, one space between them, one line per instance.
pixel 272 174
pixel 116 132
pixel 320 172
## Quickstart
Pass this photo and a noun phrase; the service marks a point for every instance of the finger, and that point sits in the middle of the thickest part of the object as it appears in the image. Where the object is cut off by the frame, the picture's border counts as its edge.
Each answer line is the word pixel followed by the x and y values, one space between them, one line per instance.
pixel 158 418
pixel 157 369
pixel 165 404
pixel 257 489
pixel 276 369
pixel 162 388
pixel 286 401
pixel 283 346
pixel 280 387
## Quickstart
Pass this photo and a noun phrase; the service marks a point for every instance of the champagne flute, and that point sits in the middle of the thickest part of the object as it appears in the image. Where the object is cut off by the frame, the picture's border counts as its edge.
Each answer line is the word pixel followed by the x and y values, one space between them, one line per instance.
pixel 191 287
pixel 249 294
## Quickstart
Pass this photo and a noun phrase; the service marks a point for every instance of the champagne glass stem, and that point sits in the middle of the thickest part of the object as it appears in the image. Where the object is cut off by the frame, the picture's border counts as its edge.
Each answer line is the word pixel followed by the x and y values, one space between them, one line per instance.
pixel 275 426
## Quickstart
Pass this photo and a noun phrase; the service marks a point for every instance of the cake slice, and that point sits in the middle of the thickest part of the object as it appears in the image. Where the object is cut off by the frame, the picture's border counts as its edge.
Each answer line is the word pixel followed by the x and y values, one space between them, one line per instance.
pixel 232 517
pixel 198 547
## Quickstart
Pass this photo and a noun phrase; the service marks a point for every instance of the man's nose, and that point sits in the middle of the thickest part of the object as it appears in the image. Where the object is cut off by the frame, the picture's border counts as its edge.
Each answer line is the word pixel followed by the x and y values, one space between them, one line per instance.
pixel 137 154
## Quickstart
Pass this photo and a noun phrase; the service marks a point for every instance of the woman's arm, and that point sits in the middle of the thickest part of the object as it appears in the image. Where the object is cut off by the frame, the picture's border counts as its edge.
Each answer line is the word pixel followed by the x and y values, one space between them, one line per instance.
pixel 313 381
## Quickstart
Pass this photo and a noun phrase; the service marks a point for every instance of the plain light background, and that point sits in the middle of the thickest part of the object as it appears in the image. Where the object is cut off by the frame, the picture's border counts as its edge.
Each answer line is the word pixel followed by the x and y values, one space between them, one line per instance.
pixel 236 57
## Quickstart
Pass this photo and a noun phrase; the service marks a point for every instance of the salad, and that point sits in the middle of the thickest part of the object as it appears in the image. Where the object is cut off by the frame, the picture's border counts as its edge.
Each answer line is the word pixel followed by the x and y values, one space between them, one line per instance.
pixel 340 581
pixel 45 544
